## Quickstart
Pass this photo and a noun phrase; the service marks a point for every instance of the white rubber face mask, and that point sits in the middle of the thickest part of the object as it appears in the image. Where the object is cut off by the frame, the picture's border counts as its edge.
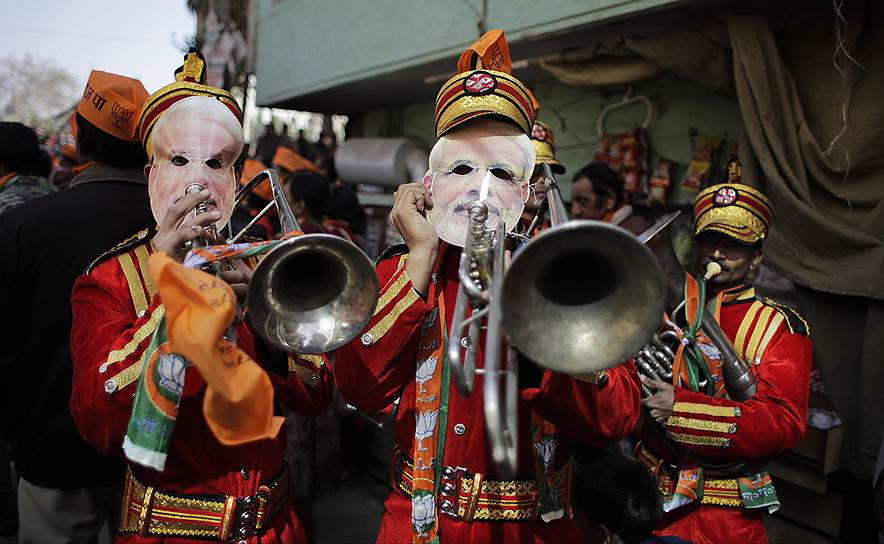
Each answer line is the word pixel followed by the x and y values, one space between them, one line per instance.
pixel 198 140
pixel 478 164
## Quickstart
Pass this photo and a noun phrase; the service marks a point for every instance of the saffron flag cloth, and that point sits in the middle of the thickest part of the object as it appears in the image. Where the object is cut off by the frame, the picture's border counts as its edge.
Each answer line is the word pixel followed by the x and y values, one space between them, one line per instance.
pixel 238 404
pixel 238 393
pixel 432 375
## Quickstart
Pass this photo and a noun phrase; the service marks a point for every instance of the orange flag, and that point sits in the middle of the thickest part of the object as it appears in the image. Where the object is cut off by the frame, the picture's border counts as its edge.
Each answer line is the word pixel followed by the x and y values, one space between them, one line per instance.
pixel 490 52
pixel 238 405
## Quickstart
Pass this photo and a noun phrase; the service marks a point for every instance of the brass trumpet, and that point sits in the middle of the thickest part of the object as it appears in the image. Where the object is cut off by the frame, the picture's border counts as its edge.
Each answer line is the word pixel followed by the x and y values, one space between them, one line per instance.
pixel 312 293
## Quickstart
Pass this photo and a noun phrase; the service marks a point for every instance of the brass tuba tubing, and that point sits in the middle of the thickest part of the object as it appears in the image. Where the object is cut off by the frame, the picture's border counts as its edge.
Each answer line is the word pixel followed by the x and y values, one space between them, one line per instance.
pixel 475 273
pixel 740 382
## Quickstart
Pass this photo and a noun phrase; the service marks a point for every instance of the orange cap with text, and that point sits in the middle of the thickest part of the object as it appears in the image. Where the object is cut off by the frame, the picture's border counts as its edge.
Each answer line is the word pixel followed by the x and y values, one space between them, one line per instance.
pixel 112 103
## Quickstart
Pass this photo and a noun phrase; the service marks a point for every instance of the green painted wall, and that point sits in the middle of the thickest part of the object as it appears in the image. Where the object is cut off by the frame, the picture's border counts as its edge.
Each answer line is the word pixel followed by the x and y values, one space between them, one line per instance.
pixel 679 105
pixel 309 45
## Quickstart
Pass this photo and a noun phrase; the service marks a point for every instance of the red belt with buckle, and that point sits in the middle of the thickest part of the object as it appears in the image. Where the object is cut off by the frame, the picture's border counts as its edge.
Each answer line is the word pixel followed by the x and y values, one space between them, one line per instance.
pixel 472 497
pixel 148 511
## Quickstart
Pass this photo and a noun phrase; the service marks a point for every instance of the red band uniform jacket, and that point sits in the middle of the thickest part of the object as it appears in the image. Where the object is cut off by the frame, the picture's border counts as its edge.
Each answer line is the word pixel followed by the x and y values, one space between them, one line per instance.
pixel 115 312
pixel 775 340
pixel 374 370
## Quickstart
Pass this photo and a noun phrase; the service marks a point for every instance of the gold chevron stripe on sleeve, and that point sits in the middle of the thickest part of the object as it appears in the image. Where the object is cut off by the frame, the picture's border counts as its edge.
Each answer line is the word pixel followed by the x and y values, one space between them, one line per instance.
pixel 693 440
pixel 758 332
pixel 771 330
pixel 381 327
pixel 740 339
pixel 136 290
pixel 317 360
pixel 307 376
pixel 706 409
pixel 391 292
pixel 143 332
pixel 701 424
pixel 142 255
pixel 127 376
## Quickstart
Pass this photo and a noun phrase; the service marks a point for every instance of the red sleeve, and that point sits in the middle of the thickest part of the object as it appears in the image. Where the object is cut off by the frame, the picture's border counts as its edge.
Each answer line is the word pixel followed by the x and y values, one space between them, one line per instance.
pixel 772 421
pixel 372 369
pixel 307 386
pixel 106 339
pixel 596 413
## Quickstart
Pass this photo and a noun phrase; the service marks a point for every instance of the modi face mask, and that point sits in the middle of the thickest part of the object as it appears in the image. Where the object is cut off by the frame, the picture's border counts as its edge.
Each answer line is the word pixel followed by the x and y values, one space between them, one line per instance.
pixel 490 162
pixel 197 140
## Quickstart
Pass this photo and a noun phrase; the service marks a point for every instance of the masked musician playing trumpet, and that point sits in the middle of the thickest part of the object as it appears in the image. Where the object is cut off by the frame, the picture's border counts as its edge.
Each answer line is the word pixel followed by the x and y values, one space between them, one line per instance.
pixel 185 480
pixel 724 415
pixel 447 488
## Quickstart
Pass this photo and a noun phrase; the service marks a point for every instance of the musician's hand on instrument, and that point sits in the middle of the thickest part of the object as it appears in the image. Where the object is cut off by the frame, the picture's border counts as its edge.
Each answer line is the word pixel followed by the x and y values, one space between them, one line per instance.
pixel 177 229
pixel 238 279
pixel 410 204
pixel 661 402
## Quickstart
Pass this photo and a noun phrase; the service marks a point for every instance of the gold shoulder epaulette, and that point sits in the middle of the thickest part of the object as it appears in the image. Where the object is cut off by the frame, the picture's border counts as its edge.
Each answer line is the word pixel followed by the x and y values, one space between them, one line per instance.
pixel 796 323
pixel 392 251
pixel 130 242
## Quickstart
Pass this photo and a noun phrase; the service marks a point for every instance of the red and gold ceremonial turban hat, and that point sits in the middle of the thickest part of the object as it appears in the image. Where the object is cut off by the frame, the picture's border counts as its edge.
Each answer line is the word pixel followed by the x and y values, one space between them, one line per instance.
pixel 484 87
pixel 111 103
pixel 544 147
pixel 733 209
pixel 190 80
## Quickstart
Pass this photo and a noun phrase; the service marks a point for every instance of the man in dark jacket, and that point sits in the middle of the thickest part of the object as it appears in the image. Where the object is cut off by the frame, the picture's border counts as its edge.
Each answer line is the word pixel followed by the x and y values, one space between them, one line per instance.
pixel 67 490
pixel 24 166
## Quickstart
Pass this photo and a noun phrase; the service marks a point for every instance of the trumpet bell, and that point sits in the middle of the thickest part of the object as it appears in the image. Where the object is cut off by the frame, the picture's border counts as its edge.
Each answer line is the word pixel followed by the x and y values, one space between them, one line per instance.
pixel 312 294
pixel 582 297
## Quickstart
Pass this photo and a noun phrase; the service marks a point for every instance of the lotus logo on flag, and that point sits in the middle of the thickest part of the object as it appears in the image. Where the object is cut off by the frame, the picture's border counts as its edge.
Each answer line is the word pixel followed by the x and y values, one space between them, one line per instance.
pixel 171 369
pixel 425 424
pixel 546 450
pixel 425 371
pixel 423 512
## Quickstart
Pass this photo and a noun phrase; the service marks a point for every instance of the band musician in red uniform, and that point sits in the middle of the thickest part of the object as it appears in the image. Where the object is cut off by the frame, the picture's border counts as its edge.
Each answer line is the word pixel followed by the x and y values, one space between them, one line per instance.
pixel 446 487
pixel 188 485
pixel 711 441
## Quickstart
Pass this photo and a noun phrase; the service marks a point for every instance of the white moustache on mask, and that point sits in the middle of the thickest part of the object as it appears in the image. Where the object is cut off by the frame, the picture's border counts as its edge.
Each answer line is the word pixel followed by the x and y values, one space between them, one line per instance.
pixel 452 221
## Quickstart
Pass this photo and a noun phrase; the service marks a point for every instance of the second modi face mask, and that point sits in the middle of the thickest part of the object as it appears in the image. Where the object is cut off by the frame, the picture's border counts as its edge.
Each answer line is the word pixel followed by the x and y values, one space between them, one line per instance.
pixel 487 162
pixel 198 140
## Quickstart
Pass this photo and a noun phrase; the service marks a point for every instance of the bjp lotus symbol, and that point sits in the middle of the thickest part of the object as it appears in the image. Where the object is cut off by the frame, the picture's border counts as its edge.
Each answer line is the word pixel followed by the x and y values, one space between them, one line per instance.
pixel 423 512
pixel 425 370
pixel 546 450
pixel 425 424
pixel 171 369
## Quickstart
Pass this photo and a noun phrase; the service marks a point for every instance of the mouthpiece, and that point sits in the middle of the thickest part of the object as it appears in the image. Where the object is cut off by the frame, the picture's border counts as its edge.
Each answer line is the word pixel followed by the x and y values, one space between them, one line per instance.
pixel 193 188
pixel 478 211
pixel 712 269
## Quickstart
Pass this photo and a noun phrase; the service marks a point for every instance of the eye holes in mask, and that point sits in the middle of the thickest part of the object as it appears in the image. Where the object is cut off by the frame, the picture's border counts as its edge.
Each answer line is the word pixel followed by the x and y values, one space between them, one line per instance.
pixel 500 173
pixel 214 164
